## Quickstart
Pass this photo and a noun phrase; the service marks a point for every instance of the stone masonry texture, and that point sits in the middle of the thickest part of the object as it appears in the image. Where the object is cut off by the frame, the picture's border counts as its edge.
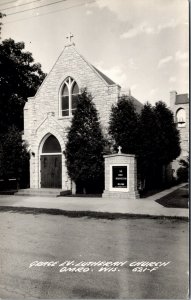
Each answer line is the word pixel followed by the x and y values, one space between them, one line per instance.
pixel 41 112
pixel 117 159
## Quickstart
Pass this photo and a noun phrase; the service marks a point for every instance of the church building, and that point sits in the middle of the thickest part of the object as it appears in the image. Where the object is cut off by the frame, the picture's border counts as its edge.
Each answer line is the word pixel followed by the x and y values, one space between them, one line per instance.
pixel 47 115
pixel 179 104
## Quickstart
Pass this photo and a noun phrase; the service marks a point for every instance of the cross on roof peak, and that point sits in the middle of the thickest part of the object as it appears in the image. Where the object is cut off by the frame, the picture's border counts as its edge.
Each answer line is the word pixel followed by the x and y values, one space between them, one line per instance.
pixel 69 37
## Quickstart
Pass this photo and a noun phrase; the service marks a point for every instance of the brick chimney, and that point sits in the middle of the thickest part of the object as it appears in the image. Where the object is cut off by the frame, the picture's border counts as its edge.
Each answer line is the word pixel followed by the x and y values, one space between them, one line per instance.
pixel 172 99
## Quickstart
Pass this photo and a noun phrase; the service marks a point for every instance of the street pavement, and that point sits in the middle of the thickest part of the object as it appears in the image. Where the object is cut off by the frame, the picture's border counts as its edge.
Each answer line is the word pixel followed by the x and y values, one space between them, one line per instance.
pixel 102 206
pixel 26 238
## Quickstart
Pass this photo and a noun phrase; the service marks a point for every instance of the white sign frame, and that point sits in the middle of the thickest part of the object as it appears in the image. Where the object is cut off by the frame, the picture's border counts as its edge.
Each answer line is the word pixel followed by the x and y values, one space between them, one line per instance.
pixel 111 188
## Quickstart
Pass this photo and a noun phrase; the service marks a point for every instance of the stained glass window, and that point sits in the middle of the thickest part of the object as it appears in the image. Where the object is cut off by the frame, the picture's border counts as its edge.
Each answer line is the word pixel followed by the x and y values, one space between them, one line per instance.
pixel 69 97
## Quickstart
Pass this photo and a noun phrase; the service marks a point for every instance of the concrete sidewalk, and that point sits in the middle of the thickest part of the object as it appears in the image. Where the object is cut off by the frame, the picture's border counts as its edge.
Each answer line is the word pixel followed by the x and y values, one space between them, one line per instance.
pixel 98 206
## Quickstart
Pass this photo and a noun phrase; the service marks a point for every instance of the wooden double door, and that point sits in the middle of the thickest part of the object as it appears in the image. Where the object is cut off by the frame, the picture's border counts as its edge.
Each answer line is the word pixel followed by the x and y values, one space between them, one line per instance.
pixel 51 171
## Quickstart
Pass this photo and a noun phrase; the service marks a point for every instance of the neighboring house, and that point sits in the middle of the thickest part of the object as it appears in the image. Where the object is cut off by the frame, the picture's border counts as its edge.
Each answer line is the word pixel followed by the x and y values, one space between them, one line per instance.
pixel 179 104
pixel 47 115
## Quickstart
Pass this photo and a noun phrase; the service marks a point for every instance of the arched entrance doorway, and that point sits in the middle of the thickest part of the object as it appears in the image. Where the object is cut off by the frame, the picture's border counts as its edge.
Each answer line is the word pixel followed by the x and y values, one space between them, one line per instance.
pixel 51 163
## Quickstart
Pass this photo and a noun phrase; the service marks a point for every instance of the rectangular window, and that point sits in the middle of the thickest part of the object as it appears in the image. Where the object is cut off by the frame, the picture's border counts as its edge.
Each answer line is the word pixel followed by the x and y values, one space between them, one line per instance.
pixel 65 102
pixel 65 113
pixel 65 106
pixel 74 101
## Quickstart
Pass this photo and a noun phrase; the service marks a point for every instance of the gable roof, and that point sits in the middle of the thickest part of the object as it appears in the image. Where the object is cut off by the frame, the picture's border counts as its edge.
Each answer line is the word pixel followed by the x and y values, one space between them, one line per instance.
pixel 107 79
pixel 182 99
pixel 138 105
pixel 71 47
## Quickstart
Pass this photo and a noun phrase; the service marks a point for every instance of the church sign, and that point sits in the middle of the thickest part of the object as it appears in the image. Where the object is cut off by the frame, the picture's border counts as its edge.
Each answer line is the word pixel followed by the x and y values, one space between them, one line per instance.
pixel 119 177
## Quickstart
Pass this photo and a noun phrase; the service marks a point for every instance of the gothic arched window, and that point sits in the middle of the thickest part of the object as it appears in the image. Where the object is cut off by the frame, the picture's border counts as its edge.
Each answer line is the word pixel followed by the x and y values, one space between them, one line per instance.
pixel 69 97
pixel 181 117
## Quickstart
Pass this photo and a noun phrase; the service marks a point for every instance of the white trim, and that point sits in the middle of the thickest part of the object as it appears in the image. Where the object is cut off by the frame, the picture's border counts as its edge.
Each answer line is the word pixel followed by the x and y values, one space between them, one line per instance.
pixel 111 177
pixel 69 85
pixel 51 153
pixel 47 118
pixel 42 142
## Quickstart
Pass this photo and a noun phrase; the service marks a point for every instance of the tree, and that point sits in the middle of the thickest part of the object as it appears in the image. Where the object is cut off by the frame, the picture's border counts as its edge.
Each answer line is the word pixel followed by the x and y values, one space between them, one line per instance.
pixel 184 163
pixel 168 134
pixel 147 143
pixel 13 157
pixel 158 143
pixel 183 170
pixel 168 140
pixel 84 147
pixel 20 78
pixel 1 16
pixel 123 125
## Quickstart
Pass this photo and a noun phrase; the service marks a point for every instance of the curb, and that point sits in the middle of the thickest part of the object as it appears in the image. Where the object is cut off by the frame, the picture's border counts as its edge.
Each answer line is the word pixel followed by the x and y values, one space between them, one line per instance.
pixel 90 214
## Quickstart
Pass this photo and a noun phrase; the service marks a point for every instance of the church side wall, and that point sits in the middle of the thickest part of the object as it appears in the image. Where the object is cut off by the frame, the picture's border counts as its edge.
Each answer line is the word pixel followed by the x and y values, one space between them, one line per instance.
pixel 184 132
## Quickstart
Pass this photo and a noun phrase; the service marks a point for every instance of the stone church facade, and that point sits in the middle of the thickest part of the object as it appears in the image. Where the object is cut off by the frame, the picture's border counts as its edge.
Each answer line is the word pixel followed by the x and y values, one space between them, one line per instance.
pixel 47 115
pixel 179 104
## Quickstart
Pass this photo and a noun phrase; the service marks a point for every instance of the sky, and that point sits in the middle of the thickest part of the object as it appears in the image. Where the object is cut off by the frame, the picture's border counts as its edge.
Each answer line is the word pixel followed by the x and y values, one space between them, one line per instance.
pixel 142 45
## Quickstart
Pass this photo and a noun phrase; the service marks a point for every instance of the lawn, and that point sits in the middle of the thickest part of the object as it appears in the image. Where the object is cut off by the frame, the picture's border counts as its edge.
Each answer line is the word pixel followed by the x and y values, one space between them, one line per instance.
pixel 176 199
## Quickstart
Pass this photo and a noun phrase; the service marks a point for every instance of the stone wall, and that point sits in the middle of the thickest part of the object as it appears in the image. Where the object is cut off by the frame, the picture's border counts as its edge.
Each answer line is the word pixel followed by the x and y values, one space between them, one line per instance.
pixel 42 113
pixel 184 131
pixel 70 63
pixel 118 159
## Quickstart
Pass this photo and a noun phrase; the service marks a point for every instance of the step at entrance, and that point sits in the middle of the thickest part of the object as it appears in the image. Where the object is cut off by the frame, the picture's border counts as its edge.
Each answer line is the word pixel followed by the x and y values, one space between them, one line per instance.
pixel 44 192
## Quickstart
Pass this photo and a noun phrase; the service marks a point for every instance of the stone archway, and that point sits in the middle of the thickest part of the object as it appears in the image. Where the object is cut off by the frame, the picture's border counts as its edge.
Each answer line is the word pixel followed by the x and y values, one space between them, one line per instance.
pixel 50 163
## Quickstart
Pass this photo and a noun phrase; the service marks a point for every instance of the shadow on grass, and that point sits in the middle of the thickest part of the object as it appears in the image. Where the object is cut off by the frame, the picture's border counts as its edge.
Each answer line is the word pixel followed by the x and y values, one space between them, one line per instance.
pixel 176 199
pixel 87 214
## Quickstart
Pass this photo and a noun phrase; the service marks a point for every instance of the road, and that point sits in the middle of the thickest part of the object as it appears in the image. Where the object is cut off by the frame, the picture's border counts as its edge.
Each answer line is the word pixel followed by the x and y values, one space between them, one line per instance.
pixel 26 238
